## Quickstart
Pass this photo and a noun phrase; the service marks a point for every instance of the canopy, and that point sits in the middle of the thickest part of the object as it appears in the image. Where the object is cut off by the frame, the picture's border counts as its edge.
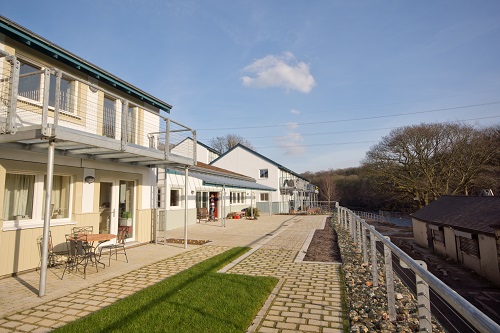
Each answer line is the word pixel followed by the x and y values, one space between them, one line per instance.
pixel 230 182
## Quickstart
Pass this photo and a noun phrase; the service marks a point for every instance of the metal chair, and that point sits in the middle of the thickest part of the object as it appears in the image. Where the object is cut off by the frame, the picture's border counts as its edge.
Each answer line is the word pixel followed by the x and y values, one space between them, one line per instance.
pixel 55 257
pixel 79 254
pixel 119 245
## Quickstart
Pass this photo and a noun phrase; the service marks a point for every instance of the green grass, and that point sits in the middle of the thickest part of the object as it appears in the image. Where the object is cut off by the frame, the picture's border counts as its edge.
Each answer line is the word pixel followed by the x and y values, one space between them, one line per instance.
pixel 195 300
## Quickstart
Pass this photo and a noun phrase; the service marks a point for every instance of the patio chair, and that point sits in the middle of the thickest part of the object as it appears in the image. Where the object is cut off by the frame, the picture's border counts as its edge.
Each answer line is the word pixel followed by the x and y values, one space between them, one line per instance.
pixel 79 255
pixel 55 257
pixel 119 245
pixel 80 231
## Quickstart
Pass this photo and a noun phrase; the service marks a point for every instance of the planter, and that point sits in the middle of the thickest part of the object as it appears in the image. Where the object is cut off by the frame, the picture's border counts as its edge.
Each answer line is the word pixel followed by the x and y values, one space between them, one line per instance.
pixel 125 222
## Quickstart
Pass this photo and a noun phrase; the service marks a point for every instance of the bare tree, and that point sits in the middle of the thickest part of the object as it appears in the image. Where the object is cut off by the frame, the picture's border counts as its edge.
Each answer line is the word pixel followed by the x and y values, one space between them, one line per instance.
pixel 430 160
pixel 224 143
pixel 328 188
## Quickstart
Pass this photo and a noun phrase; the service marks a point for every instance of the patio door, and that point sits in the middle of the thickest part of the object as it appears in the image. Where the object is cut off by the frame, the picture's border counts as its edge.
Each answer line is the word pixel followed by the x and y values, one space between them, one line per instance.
pixel 117 206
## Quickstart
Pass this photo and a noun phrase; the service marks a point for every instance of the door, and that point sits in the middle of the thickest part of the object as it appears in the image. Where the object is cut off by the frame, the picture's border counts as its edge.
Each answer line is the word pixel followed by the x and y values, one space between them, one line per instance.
pixel 117 207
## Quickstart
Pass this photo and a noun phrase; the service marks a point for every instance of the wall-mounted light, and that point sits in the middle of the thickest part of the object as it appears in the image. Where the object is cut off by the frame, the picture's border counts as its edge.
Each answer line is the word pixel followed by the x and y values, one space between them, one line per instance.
pixel 89 179
pixel 192 192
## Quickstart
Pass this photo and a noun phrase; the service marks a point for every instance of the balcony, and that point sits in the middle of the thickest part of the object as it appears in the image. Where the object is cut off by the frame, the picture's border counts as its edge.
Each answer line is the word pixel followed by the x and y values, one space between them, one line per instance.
pixel 42 105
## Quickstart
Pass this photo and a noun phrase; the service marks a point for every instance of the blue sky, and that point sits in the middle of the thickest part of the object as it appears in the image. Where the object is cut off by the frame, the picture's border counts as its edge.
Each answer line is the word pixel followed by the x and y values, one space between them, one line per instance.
pixel 311 84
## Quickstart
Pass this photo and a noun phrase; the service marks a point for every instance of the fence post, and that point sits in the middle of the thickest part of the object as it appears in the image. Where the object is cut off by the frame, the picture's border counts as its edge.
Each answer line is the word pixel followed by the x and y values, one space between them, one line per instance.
pixel 424 306
pixel 360 241
pixel 373 241
pixel 365 250
pixel 389 280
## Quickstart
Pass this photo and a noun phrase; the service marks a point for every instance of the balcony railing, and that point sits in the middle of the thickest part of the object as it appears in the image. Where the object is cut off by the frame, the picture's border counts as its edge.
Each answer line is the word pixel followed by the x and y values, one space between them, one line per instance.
pixel 86 120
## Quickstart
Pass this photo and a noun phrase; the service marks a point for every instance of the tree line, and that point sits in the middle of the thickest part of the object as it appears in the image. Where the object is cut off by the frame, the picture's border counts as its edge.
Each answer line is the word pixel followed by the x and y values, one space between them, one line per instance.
pixel 415 165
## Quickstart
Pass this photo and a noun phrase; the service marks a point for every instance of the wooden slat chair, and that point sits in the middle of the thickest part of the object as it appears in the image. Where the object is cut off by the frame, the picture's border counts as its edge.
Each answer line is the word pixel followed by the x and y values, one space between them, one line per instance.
pixel 119 245
pixel 202 214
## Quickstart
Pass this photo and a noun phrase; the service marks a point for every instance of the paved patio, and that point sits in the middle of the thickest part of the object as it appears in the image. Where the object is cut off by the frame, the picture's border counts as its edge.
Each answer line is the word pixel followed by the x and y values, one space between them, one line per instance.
pixel 307 298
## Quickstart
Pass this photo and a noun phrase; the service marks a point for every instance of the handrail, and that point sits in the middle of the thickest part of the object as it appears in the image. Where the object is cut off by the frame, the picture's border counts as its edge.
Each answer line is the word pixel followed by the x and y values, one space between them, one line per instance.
pixel 477 318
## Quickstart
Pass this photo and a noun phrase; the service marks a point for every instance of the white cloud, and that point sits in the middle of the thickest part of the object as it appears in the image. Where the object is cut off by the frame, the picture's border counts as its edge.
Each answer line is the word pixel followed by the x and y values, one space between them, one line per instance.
pixel 292 144
pixel 279 71
pixel 294 111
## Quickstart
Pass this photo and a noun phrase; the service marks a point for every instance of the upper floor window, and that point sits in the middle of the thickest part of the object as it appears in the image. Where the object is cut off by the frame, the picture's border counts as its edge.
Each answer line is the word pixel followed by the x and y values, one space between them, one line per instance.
pixel 108 117
pixel 131 124
pixel 66 94
pixel 29 82
pixel 263 173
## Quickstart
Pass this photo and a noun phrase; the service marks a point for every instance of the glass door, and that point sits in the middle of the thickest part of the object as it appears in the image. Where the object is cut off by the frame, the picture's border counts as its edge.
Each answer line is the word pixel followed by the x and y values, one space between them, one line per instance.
pixel 126 207
pixel 116 207
pixel 106 210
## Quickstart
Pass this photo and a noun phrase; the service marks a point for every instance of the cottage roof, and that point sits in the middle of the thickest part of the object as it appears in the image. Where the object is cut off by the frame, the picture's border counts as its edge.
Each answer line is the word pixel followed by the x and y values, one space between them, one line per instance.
pixel 476 214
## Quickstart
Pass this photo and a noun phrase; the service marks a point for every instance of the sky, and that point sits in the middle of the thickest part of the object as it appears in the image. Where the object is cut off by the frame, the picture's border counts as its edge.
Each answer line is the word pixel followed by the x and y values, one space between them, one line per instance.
pixel 313 85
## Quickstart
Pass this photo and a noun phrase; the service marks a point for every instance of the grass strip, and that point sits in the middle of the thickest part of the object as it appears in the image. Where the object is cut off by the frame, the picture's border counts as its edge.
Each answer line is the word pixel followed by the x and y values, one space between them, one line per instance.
pixel 195 300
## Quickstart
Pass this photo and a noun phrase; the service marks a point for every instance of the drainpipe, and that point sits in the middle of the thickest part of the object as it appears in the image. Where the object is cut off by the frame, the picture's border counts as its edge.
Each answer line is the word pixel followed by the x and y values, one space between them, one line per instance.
pixel 165 207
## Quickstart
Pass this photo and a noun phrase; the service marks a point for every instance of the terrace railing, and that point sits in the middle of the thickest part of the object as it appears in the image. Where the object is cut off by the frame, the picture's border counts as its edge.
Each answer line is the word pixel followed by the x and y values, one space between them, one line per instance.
pixel 84 119
pixel 366 237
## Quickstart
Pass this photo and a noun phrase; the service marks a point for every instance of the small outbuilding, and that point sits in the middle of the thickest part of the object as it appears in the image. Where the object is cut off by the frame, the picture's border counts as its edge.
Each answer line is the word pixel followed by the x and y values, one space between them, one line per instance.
pixel 465 229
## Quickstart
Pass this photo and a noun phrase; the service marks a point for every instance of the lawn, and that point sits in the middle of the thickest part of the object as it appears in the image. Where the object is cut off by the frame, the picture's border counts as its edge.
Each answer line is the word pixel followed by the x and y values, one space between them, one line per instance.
pixel 195 300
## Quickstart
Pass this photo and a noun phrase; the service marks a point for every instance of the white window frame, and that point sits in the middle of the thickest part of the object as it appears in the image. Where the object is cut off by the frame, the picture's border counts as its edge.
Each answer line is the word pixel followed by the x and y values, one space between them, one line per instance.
pixel 179 191
pixel 264 197
pixel 36 220
pixel 39 101
pixel 266 173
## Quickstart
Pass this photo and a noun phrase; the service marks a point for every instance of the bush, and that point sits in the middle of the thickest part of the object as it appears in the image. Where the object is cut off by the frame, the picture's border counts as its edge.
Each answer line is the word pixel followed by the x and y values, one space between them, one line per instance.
pixel 249 213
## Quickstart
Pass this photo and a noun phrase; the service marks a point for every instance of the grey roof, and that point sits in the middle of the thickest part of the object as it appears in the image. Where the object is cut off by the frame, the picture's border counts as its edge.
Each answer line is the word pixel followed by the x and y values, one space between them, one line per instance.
pixel 476 214
pixel 230 182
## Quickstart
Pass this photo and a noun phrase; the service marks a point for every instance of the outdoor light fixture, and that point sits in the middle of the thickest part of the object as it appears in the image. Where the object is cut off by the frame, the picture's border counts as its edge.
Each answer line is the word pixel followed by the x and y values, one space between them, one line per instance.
pixel 89 179
pixel 192 192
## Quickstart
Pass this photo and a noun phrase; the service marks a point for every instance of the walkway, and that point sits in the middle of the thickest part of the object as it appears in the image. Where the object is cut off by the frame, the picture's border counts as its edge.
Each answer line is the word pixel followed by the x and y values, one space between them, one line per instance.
pixel 306 299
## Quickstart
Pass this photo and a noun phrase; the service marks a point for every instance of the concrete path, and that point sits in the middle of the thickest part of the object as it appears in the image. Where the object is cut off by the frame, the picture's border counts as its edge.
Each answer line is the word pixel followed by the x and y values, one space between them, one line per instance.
pixel 307 298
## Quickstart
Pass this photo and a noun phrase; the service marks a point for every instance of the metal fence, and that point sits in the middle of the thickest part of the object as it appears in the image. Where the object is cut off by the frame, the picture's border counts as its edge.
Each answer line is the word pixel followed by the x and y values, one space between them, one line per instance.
pixel 366 237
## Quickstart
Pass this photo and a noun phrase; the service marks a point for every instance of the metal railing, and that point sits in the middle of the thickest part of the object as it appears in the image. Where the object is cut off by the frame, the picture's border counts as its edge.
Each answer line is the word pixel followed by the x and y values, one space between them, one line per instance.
pixel 371 216
pixel 49 99
pixel 358 229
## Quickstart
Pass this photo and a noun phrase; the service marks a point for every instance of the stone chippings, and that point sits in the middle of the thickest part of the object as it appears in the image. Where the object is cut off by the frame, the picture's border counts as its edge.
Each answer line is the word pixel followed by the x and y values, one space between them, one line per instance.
pixel 368 310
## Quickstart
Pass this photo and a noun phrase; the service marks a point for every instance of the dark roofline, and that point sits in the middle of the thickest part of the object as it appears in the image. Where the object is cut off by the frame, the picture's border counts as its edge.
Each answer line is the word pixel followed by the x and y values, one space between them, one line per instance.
pixel 261 156
pixel 42 45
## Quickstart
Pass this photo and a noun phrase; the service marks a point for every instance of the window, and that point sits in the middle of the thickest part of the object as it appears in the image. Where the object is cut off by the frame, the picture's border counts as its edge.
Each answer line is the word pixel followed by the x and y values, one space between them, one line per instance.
pixel 264 197
pixel 18 197
pixel 24 200
pixel 159 197
pixel 29 83
pixel 470 245
pixel 60 197
pixel 108 118
pixel 175 198
pixel 201 199
pixel 66 95
pixel 131 127
pixel 438 235
pixel 264 173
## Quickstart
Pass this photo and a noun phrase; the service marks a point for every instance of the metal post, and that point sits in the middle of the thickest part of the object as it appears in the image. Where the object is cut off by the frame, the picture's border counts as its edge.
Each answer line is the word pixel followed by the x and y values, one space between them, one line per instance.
pixel 360 241
pixel 167 139
pixel 373 241
pixel 365 250
pixel 15 66
pixel 45 106
pixel 389 280
pixel 46 220
pixel 165 206
pixel 154 203
pixel 424 305
pixel 186 188
pixel 124 127
pixel 223 219
pixel 270 203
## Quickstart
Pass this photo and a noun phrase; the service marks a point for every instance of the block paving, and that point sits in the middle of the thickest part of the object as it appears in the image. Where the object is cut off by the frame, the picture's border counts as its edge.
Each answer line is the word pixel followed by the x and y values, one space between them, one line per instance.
pixel 306 299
